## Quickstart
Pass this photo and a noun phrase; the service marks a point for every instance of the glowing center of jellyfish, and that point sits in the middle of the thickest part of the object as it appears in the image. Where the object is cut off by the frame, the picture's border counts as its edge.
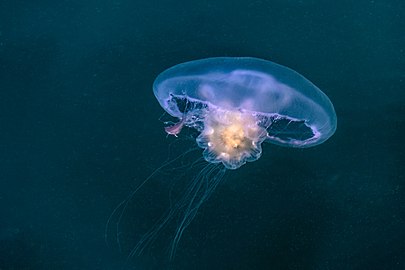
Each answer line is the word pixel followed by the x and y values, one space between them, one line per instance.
pixel 231 137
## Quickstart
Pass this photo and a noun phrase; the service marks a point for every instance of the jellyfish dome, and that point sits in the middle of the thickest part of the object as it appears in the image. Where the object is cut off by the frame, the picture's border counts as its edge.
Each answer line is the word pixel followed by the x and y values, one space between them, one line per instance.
pixel 238 103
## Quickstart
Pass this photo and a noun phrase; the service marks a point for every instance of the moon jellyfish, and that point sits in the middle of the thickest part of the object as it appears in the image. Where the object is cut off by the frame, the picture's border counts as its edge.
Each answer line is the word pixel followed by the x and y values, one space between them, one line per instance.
pixel 235 104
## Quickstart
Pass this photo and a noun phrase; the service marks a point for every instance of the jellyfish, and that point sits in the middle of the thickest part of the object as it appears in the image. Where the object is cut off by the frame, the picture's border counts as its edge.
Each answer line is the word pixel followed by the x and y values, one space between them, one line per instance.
pixel 238 103
pixel 234 105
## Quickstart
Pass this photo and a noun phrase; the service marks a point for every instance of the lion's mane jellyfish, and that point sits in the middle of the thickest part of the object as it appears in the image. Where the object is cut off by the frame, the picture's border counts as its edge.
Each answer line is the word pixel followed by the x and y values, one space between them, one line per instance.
pixel 235 104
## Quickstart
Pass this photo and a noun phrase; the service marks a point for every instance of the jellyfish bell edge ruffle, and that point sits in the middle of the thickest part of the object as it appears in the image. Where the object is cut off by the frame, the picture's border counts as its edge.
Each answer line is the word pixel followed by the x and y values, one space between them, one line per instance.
pixel 194 117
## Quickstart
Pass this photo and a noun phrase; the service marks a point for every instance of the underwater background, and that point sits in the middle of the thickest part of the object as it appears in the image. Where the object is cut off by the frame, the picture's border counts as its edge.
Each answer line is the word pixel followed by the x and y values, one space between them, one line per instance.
pixel 81 129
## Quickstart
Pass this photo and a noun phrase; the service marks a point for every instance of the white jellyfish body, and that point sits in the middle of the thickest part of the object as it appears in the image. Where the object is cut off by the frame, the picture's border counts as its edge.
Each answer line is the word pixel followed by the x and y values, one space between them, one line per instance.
pixel 237 103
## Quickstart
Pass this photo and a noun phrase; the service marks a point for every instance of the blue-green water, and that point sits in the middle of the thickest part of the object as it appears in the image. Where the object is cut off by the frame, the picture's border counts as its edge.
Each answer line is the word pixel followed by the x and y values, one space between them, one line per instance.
pixel 80 130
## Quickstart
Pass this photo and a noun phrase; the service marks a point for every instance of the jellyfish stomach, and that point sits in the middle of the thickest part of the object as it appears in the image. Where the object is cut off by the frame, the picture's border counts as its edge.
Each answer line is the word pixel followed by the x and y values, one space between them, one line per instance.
pixel 232 137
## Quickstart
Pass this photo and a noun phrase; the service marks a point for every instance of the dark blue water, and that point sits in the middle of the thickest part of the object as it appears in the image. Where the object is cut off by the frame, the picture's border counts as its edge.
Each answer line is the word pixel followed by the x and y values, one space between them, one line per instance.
pixel 80 130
